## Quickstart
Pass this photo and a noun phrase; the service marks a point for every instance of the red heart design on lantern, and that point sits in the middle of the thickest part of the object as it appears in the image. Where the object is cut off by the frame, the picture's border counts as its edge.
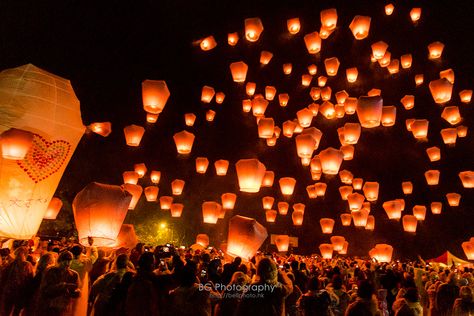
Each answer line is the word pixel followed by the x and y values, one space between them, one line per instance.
pixel 44 158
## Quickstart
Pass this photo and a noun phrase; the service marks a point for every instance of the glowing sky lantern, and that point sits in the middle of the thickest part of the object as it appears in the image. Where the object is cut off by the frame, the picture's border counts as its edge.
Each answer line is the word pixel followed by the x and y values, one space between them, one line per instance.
pixel 246 105
pixel 435 50
pixel 419 79
pixel 370 225
pixel 221 167
pixel 389 8
pixel 270 216
pixel 267 202
pixel 99 211
pixel 408 102
pixel 220 96
pixel 287 68
pixel 351 133
pixel 369 111
pixel 415 14
pixel 245 237
pixel 282 242
pixel 253 29
pixel 371 191
pixel 293 25
pixel 409 223
pixel 453 199
pixel 184 142
pixel 177 186
pixel 283 208
pixel 313 42
pixel 355 201
pixel 210 212
pixel 266 127
pixel 268 179
pixel 270 92
pixel 101 128
pixel 332 66
pixel 394 66
pixel 155 94
pixel 136 191
pixel 352 74
pixel 208 43
pixel 346 176
pixel 329 18
pixel 189 119
pixel 239 70
pixel 155 176
pixel 151 193
pixel 165 202
pixel 201 164
pixel 151 118
pixel 133 135
pixel 311 190
pixel 441 90
pixel 393 209
pixel 326 93
pixel 287 185
pixel 448 74
pixel 53 208
pixel 15 143
pixel 283 99
pixel 228 201
pixel 357 183
pixel 432 177
pixel 465 96
pixel 468 247
pixel 407 187
pixel 207 93
pixel 312 69
pixel 344 248
pixel 360 26
pixel 467 179
pixel 288 128
pixel 259 105
pixel 381 253
pixel 306 80
pixel 176 209
pixel 250 173
pixel 378 49
pixel 436 207
pixel 360 217
pixel 346 219
pixel 326 251
pixel 203 240
pixel 140 169
pixel 43 104
pixel 385 60
pixel 232 38
pixel 331 160
pixel 451 115
pixel 419 128
pixel 389 115
pixel 305 117
pixel 406 61
pixel 419 211
pixel 462 130
pixel 449 135
pixel 327 225
pixel 265 57
pixel 315 94
pixel 297 218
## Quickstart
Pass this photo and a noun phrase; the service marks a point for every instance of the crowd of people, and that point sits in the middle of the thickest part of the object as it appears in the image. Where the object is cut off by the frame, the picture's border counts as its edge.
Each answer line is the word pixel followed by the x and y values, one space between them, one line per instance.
pixel 70 279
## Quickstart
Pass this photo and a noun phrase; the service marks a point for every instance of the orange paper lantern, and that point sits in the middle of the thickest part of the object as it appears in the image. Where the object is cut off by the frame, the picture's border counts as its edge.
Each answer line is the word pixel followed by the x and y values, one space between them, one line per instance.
pixel 133 135
pixel 250 173
pixel 53 209
pixel 155 94
pixel 360 26
pixel 228 201
pixel 253 29
pixel 184 142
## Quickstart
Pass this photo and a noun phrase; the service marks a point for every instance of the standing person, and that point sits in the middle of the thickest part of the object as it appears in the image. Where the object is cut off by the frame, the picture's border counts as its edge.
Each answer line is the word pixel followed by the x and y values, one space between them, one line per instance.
pixel 232 295
pixel 100 266
pixel 103 287
pixel 365 304
pixel 46 261
pixel 464 305
pixel 16 281
pixel 59 288
pixel 267 294
pixel 314 301
pixel 446 295
pixel 82 264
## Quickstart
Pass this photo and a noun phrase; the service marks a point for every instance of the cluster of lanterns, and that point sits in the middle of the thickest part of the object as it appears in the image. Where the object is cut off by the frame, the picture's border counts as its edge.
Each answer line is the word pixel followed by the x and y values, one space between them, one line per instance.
pixel 368 111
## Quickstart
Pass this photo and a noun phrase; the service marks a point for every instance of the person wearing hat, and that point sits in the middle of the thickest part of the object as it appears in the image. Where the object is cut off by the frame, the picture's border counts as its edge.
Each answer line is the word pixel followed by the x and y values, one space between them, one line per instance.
pixel 59 288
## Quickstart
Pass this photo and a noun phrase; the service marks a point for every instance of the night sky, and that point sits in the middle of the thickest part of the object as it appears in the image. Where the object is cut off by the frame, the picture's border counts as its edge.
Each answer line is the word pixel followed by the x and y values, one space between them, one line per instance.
pixel 107 49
